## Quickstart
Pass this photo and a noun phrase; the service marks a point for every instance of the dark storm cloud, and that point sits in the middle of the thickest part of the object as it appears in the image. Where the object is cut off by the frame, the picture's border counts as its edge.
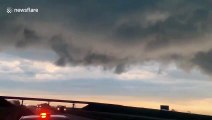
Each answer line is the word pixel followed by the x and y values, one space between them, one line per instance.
pixel 203 60
pixel 99 58
pixel 120 68
pixel 75 55
pixel 29 37
pixel 176 29
pixel 115 34
pixel 62 49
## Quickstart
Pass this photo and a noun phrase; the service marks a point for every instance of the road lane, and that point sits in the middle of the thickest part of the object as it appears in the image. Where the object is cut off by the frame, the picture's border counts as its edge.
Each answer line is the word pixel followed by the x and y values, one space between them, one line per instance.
pixel 74 117
pixel 113 116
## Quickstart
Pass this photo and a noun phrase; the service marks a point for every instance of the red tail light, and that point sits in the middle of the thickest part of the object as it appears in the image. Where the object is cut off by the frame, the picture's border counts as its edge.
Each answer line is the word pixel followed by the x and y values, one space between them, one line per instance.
pixel 44 115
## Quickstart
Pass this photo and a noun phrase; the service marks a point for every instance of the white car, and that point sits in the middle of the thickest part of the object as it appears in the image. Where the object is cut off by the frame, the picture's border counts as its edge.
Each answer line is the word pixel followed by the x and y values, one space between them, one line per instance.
pixel 45 116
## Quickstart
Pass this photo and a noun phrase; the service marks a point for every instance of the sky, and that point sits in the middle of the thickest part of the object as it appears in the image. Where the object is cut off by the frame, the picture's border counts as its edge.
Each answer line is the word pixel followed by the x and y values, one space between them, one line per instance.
pixel 140 53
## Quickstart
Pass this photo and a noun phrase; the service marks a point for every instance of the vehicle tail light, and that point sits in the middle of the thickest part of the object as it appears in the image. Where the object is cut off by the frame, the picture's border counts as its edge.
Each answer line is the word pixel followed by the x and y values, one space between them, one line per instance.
pixel 44 115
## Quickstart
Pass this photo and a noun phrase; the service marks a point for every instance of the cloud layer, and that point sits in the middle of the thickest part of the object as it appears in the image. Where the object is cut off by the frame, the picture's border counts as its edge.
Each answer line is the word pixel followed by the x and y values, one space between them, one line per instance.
pixel 114 34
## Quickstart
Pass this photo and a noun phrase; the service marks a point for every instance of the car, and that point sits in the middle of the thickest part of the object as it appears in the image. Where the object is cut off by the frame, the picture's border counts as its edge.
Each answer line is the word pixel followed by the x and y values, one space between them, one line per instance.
pixel 61 108
pixel 45 116
pixel 43 105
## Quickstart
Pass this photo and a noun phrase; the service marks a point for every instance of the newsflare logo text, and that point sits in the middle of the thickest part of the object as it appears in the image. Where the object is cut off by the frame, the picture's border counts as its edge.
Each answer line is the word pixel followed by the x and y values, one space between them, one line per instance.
pixel 22 10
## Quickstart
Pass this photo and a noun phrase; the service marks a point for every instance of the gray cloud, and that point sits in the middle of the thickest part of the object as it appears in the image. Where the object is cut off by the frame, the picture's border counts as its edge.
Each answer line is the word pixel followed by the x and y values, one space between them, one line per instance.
pixel 120 68
pixel 203 60
pixel 29 37
pixel 180 91
pixel 115 34
pixel 62 49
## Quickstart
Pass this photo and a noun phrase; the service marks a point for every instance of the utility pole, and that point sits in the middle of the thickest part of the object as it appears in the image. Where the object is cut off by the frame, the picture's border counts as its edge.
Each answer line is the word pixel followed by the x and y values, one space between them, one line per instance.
pixel 73 105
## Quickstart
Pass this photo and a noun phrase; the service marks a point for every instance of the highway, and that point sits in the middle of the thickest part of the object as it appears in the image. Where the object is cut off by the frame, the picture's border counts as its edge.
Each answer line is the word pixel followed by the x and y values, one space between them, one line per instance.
pixel 74 117
pixel 111 116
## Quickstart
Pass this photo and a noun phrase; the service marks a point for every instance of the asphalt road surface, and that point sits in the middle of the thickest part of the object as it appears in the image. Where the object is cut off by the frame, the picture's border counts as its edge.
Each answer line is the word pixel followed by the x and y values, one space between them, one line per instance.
pixel 74 117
